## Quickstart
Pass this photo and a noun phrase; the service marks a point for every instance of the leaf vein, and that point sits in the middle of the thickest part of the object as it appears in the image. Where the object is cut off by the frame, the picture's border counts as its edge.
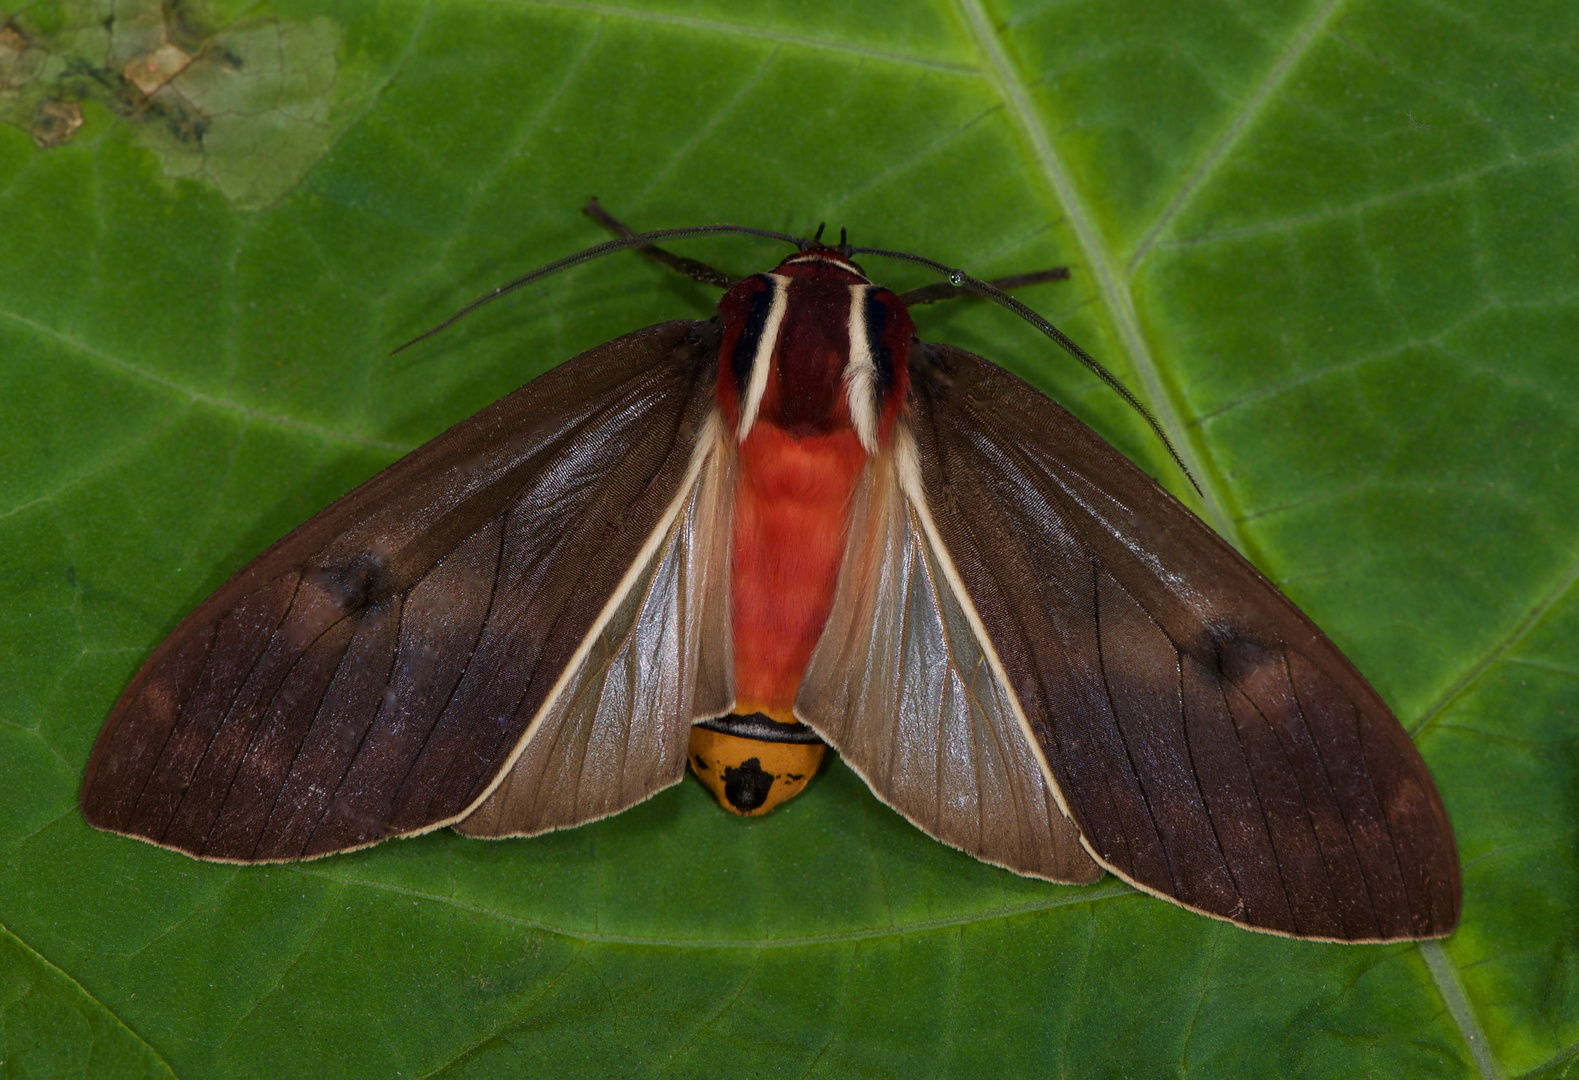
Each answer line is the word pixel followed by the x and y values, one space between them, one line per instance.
pixel 37 957
pixel 196 397
pixel 689 22
pixel 1231 135
pixel 1114 291
pixel 1496 654
pixel 1080 895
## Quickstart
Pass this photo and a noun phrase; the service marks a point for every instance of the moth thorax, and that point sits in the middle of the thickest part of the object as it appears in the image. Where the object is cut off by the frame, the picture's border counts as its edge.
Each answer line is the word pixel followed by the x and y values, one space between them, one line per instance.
pixel 751 764
pixel 813 348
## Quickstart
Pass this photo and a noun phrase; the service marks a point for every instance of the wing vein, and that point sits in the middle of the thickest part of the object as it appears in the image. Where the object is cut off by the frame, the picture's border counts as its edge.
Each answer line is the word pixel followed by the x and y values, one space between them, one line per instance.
pixel 1332 791
pixel 208 652
pixel 1007 757
pixel 1107 689
pixel 263 714
pixel 1266 823
pixel 1195 774
pixel 938 777
pixel 241 684
pixel 295 757
pixel 1310 818
pixel 394 659
pixel 471 653
pixel 1387 825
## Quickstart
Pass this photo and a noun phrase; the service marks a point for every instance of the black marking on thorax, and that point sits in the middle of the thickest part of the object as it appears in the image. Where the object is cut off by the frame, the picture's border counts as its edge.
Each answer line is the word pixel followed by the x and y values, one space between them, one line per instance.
pixel 752 359
pixel 876 315
pixel 750 341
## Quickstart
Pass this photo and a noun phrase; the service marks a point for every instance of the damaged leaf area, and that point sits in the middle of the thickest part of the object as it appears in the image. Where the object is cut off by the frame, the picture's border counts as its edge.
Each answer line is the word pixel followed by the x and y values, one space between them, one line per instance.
pixel 249 104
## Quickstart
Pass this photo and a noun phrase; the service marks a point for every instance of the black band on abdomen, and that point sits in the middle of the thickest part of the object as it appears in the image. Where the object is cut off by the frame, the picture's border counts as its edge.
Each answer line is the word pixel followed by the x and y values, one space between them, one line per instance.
pixel 759 727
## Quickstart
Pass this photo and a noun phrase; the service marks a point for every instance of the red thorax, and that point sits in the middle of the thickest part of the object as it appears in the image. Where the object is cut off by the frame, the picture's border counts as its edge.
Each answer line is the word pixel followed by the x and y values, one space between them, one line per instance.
pixel 811 379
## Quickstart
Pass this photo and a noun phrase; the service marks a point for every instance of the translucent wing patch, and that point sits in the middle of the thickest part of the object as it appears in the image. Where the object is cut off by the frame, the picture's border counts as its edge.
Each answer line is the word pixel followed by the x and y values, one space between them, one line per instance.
pixel 616 730
pixel 903 686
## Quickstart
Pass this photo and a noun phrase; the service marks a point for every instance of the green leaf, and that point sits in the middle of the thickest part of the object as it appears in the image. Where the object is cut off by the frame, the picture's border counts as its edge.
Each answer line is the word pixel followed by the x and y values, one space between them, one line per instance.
pixel 50 1026
pixel 1334 246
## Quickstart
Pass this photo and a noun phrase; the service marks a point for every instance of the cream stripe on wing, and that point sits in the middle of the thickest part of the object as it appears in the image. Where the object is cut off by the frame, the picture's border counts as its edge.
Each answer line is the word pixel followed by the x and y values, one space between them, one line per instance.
pixel 908 461
pixel 709 449
pixel 901 684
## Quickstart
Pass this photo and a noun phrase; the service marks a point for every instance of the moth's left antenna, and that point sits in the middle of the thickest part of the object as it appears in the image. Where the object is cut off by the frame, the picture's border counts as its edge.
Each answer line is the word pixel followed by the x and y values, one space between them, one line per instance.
pixel 606 248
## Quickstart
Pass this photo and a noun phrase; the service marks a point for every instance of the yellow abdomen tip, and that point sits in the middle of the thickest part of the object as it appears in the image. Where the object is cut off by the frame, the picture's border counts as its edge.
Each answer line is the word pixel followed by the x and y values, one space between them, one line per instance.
pixel 750 776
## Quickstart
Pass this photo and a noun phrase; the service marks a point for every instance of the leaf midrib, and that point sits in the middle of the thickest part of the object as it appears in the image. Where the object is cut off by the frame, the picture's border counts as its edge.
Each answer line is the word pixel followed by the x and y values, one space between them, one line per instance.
pixel 1110 284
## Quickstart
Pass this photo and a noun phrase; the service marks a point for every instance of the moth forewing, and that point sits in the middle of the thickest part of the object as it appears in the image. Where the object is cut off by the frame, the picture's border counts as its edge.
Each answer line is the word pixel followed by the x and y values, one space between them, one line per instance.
pixel 237 741
pixel 1213 747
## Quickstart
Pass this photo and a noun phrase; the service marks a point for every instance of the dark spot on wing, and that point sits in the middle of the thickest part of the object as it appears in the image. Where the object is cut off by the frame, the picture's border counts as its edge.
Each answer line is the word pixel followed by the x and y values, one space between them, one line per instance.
pixel 350 585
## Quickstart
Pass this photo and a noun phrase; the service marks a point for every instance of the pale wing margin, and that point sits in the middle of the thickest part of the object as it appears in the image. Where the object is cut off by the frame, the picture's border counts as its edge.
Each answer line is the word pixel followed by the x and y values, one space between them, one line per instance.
pixel 614 731
pixel 904 684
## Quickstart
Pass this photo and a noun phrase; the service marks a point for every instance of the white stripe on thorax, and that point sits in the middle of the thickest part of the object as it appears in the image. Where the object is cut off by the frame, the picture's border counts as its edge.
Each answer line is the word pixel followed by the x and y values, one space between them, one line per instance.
pixel 860 372
pixel 763 360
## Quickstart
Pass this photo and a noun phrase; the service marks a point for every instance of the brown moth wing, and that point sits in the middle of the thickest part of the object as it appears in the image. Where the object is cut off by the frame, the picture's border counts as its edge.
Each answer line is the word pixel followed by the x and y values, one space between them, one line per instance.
pixel 371 674
pixel 901 685
pixel 1212 745
pixel 619 729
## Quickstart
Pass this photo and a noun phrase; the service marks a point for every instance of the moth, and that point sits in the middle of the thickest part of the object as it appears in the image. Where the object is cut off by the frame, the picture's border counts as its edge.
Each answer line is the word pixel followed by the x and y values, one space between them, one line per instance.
pixel 733 540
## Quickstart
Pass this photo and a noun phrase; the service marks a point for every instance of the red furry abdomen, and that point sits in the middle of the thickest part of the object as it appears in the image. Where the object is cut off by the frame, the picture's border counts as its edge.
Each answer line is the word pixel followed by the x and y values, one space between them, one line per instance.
pixel 791 508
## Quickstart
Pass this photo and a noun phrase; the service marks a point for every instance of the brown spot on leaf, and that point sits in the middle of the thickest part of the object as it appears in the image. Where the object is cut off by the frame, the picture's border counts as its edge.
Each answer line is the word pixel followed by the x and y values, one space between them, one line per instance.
pixel 56 123
pixel 153 69
pixel 242 98
pixel 20 63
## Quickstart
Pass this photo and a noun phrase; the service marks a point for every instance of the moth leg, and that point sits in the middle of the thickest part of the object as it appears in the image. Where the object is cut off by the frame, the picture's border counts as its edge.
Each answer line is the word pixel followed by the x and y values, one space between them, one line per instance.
pixel 691 268
pixel 931 294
